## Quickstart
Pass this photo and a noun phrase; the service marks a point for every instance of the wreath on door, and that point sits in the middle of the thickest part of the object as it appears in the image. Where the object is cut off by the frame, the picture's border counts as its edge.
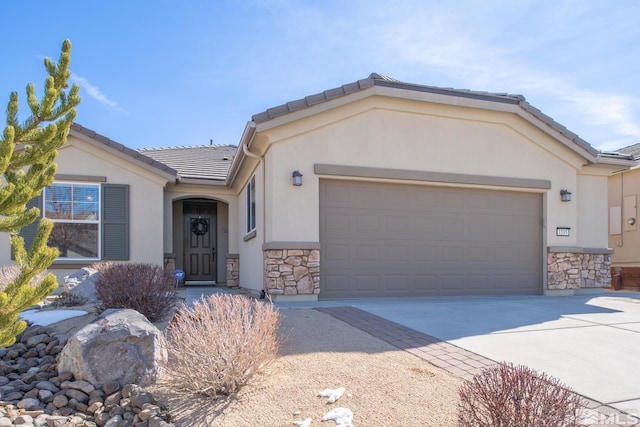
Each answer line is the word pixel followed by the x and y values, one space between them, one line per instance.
pixel 199 226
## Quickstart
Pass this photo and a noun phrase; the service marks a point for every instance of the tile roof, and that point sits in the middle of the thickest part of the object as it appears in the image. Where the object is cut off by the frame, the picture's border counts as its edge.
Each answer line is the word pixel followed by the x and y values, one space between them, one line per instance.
pixel 197 162
pixel 632 150
pixel 122 148
pixel 376 79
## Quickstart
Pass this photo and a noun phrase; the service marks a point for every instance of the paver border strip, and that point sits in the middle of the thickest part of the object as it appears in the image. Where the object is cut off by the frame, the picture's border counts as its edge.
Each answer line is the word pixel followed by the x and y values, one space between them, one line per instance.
pixel 453 359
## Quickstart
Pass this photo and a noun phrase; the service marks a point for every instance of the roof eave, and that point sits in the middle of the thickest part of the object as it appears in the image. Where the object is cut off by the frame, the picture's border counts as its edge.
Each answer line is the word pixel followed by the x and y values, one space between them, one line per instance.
pixel 96 139
pixel 247 136
pixel 202 181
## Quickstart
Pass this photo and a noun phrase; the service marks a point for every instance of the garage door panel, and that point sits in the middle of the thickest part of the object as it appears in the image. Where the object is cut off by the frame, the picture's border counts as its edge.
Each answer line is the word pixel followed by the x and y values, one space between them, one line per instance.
pixel 403 240
pixel 425 253
pixel 336 223
pixel 397 284
pixel 367 283
pixel 426 284
pixel 336 252
pixel 480 255
pixel 398 254
pixel 452 283
pixel 367 253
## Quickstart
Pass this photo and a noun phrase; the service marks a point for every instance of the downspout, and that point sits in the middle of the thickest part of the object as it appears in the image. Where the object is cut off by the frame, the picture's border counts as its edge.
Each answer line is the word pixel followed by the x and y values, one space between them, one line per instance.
pixel 245 150
pixel 621 244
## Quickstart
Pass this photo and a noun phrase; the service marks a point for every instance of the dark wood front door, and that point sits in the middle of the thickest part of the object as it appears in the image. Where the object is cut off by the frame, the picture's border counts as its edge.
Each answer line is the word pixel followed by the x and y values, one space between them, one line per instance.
pixel 200 241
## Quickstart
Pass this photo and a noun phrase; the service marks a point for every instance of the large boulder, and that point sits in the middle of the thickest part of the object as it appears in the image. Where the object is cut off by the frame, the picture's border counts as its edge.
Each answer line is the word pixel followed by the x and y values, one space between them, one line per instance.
pixel 82 283
pixel 121 345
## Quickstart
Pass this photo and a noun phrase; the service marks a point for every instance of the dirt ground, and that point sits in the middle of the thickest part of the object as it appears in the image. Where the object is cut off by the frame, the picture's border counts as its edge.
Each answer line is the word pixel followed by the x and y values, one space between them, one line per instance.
pixel 385 386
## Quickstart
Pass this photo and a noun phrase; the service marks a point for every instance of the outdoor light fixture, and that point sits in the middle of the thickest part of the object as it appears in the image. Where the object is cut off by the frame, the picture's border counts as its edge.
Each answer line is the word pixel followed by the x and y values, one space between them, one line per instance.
pixel 297 178
pixel 565 195
pixel 631 221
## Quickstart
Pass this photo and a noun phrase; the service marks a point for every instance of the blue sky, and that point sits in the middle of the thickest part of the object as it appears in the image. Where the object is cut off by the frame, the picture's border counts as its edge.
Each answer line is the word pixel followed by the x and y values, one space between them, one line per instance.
pixel 169 73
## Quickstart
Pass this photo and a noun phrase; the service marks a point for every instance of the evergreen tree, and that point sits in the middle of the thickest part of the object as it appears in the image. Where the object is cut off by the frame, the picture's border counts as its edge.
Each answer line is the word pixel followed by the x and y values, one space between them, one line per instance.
pixel 27 153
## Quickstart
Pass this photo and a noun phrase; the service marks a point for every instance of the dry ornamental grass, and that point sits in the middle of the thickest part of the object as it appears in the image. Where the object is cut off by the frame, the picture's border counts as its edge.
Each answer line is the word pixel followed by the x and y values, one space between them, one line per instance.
pixel 215 347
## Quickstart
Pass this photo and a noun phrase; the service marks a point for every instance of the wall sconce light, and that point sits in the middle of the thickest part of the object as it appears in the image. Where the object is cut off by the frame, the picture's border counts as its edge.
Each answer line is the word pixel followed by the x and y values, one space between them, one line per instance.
pixel 297 178
pixel 631 221
pixel 565 195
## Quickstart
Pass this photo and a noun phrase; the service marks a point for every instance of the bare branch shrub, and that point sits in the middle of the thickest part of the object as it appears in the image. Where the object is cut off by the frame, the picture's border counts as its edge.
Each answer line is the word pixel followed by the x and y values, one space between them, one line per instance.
pixel 147 288
pixel 517 396
pixel 66 299
pixel 9 273
pixel 215 347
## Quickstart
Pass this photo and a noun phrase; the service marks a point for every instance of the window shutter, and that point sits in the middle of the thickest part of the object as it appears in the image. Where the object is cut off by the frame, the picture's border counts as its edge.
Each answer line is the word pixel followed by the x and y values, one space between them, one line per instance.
pixel 115 222
pixel 28 233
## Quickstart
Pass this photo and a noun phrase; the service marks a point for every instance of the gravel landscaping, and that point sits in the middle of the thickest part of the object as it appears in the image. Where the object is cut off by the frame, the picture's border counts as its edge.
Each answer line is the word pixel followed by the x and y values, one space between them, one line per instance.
pixel 382 384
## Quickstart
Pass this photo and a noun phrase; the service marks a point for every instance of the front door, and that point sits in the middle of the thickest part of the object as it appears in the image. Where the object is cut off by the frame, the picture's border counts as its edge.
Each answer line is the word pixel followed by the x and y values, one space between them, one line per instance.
pixel 200 241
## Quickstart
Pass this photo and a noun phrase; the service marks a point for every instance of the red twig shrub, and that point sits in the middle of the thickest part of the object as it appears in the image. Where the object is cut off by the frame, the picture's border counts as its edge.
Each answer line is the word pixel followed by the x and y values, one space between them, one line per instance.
pixel 517 396
pixel 216 346
pixel 147 288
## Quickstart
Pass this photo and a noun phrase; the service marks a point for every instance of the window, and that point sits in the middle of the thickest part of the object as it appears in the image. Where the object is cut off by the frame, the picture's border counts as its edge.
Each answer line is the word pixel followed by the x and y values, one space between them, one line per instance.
pixel 75 212
pixel 251 205
pixel 91 221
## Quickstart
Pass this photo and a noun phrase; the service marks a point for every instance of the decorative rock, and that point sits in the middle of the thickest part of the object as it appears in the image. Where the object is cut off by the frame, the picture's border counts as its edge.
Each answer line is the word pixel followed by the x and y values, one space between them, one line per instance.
pixel 76 394
pixel 125 333
pixel 94 407
pixel 29 380
pixel 60 401
pixel 111 387
pixel 82 283
pixel 44 395
pixel 112 400
pixel 36 339
pixel 83 386
pixel 23 419
pixel 29 403
pixel 114 421
pixel 47 385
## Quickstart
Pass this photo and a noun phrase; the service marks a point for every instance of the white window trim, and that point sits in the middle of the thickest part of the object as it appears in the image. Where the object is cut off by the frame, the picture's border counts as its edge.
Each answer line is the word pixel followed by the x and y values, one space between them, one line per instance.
pixel 96 221
pixel 251 206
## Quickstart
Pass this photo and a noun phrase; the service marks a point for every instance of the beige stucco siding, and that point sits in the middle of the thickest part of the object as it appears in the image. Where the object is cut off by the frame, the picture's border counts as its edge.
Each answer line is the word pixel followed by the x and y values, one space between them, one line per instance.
pixel 145 197
pixel 250 244
pixel 404 135
pixel 592 213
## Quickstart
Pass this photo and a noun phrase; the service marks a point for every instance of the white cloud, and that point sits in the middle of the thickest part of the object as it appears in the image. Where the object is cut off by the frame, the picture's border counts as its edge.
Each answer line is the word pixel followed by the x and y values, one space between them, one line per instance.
pixel 95 92
pixel 475 51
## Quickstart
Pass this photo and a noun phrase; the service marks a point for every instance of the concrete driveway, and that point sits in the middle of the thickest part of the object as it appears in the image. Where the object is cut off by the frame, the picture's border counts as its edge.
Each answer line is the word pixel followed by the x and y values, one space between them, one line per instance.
pixel 591 343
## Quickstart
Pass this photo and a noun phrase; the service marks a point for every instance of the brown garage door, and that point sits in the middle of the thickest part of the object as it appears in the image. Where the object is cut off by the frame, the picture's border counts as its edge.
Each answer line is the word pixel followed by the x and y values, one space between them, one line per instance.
pixel 384 240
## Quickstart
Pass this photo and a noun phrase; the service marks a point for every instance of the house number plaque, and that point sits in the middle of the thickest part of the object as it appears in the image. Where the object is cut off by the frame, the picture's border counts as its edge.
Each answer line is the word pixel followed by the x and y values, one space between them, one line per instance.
pixel 562 231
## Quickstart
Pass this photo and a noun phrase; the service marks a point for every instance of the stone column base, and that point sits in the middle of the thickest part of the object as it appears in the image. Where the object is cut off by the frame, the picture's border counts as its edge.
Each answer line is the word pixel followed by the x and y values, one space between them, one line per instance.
pixel 578 270
pixel 233 270
pixel 290 272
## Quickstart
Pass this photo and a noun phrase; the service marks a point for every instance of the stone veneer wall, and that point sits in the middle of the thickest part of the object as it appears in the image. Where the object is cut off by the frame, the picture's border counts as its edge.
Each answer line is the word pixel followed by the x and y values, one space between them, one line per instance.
pixel 233 270
pixel 575 270
pixel 292 271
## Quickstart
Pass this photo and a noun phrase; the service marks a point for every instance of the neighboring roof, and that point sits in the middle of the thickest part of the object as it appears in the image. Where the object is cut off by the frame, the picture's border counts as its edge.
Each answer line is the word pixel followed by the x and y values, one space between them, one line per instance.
pixel 375 79
pixel 123 149
pixel 632 150
pixel 210 162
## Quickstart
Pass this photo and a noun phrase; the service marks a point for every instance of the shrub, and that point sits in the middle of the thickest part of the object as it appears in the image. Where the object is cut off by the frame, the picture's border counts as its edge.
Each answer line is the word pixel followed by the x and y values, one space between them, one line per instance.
pixel 215 347
pixel 67 299
pixel 516 396
pixel 147 288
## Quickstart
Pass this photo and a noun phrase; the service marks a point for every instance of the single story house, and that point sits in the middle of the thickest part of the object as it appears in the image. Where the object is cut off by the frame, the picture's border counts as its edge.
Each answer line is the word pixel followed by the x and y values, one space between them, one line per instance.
pixel 624 238
pixel 376 188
